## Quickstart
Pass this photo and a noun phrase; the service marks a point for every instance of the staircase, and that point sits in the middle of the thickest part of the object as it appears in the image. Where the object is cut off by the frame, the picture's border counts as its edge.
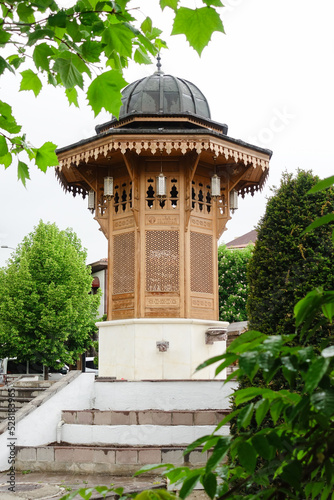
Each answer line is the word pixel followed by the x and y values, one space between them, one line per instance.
pixel 22 391
pixel 133 424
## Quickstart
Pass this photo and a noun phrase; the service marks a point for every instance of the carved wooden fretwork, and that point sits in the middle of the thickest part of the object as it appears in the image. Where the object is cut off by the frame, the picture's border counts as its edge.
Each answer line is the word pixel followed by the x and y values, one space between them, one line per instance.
pixel 201 270
pixel 162 261
pixel 219 147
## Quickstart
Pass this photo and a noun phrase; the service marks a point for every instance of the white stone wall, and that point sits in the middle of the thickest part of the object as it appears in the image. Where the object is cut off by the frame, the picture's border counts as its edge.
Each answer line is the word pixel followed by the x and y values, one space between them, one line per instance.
pixel 128 349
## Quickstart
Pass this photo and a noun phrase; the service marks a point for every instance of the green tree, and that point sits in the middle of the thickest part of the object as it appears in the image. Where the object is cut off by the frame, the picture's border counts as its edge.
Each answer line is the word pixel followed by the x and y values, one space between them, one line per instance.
pixel 232 280
pixel 285 266
pixel 84 47
pixel 46 311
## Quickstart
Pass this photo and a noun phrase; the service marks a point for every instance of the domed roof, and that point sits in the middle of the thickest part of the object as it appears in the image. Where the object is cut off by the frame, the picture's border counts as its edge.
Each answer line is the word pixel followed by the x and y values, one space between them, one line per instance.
pixel 163 95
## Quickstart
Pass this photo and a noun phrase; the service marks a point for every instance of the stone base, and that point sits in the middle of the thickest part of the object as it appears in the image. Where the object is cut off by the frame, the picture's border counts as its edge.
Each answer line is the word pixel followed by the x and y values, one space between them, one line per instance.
pixel 159 348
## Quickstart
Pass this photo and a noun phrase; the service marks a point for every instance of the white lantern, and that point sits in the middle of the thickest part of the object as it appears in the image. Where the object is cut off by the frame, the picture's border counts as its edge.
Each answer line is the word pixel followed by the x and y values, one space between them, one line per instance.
pixel 161 188
pixel 233 200
pixel 215 185
pixel 108 187
pixel 91 200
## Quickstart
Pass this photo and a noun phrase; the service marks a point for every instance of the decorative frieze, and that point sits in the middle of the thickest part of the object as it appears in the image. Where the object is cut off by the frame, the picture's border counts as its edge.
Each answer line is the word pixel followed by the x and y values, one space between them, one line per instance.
pixel 162 220
pixel 203 223
pixel 124 223
pixel 162 301
pixel 202 303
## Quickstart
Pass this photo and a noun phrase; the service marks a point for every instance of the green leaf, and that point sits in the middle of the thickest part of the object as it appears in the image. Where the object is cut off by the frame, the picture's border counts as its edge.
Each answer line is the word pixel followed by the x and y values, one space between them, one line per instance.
pixel 41 54
pixel 3 146
pixel 30 81
pixel 58 20
pixel 215 3
pixel 244 395
pixel 69 74
pixel 210 484
pixel 245 416
pixel 211 361
pixel 248 362
pixel 72 96
pixel 321 185
pixel 105 92
pixel 140 57
pixel 172 4
pixel 292 474
pixel 262 446
pixel 276 409
pixel 315 373
pixel 249 337
pixel 321 221
pixel 4 65
pixel 247 456
pixel 323 401
pixel 262 408
pixel 6 160
pixel 22 172
pixel 197 443
pixel 39 34
pixel 189 484
pixel 25 12
pixel 146 25
pixel 7 120
pixel 197 25
pixel 218 453
pixel 91 51
pixel 46 156
pixel 4 37
pixel 118 38
pixel 15 60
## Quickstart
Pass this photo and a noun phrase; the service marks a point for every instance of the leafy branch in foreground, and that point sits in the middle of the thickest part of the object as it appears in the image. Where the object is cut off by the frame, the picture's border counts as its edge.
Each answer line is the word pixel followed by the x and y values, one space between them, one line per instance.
pixel 91 41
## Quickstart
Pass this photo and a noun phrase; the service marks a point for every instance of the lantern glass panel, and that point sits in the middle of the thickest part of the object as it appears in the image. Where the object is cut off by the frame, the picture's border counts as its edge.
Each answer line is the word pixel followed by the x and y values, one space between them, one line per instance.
pixel 91 200
pixel 108 186
pixel 161 188
pixel 215 185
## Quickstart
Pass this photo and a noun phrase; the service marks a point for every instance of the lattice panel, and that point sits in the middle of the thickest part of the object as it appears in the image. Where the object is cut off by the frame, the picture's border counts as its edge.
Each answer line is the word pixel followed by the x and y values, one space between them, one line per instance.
pixel 201 263
pixel 162 261
pixel 124 263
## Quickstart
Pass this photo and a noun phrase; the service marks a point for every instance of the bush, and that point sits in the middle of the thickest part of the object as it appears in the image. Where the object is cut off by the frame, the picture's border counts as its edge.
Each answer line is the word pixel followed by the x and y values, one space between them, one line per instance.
pixel 233 288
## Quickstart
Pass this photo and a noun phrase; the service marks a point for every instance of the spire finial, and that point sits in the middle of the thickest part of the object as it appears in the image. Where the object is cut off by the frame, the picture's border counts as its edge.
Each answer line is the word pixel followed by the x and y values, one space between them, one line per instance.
pixel 159 63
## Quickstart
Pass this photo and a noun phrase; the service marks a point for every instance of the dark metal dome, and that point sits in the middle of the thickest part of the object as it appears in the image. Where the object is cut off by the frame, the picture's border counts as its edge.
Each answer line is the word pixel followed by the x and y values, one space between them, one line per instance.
pixel 163 95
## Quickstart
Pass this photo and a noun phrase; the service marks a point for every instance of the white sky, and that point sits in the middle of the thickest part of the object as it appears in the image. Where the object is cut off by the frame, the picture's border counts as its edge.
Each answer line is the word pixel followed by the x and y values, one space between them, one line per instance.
pixel 270 79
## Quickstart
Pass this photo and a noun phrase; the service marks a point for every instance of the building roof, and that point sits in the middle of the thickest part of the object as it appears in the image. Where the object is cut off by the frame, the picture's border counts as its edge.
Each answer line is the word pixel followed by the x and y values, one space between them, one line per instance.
pixel 244 240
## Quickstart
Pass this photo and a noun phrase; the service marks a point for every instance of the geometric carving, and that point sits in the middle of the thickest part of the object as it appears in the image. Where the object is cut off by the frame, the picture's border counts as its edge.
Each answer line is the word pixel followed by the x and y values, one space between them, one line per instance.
pixel 201 263
pixel 162 301
pixel 195 221
pixel 202 303
pixel 124 263
pixel 162 261
pixel 124 223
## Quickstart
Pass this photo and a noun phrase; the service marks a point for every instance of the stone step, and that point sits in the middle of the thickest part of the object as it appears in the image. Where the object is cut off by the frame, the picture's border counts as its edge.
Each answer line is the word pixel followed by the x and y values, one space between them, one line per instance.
pixel 22 391
pixel 136 435
pixel 144 417
pixel 103 459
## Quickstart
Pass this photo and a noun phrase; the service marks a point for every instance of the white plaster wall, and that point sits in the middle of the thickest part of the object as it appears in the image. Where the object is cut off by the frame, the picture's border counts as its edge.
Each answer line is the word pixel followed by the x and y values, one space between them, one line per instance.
pixel 40 426
pixel 163 395
pixel 137 435
pixel 128 349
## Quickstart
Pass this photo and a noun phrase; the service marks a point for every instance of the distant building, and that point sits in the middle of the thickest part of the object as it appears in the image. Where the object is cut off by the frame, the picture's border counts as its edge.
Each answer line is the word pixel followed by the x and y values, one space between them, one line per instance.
pixel 244 240
pixel 100 280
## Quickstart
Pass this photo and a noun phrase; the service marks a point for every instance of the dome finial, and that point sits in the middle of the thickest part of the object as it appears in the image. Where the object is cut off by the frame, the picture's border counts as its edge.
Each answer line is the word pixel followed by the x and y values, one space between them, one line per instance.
pixel 159 64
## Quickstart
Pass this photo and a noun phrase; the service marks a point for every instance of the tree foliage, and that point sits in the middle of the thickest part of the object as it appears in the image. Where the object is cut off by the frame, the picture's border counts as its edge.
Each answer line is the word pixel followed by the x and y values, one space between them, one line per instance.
pixel 232 280
pixel 84 47
pixel 46 312
pixel 287 264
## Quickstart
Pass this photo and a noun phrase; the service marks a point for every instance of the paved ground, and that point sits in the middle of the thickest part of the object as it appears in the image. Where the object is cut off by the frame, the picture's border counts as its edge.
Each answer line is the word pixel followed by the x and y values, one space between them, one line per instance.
pixel 44 486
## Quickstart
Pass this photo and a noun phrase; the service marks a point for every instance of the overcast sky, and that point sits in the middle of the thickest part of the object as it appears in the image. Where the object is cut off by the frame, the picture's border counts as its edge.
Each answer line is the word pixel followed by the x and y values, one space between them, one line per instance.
pixel 270 79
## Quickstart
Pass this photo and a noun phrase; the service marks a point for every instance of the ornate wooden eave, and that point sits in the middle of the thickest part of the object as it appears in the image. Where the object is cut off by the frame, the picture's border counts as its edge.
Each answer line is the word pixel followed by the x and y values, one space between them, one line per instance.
pixel 225 150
